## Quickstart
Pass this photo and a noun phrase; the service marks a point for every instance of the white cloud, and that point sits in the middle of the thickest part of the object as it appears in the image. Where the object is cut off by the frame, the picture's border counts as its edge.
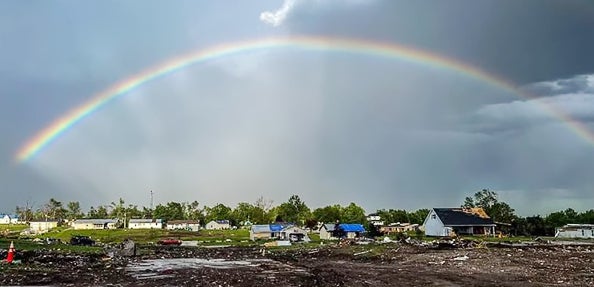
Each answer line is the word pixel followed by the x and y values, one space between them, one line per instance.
pixel 278 17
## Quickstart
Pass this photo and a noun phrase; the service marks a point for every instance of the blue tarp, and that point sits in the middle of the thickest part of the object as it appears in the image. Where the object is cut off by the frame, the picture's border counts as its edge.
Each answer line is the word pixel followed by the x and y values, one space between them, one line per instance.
pixel 351 227
pixel 276 227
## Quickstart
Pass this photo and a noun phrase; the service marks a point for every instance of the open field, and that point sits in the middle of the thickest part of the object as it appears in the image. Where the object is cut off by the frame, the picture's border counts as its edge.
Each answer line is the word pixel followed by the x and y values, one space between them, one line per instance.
pixel 392 264
pixel 151 235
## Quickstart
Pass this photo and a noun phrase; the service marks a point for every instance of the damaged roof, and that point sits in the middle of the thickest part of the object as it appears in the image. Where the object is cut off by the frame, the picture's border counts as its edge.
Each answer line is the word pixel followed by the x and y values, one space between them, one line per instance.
pixel 462 217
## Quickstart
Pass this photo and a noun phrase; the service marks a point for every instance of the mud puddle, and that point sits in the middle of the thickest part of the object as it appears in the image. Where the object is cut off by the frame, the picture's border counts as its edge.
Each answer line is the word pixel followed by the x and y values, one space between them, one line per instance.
pixel 161 268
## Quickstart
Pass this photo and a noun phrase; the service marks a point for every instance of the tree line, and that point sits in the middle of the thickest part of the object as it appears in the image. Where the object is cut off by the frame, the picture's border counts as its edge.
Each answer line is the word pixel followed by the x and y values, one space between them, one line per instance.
pixel 295 210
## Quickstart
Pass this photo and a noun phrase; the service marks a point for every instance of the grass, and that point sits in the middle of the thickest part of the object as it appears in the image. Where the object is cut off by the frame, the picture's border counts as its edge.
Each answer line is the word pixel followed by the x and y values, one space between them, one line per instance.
pixel 13 227
pixel 25 244
pixel 150 235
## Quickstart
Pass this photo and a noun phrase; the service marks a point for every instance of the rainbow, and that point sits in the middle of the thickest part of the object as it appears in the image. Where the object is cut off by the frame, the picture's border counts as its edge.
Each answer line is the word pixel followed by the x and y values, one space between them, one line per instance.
pixel 308 43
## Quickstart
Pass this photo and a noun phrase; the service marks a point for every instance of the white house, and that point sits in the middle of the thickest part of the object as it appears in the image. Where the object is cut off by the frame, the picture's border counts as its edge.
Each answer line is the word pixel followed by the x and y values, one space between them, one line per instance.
pixel 94 224
pixel 326 231
pixel 575 231
pixel 8 219
pixel 293 234
pixel 191 225
pixel 218 225
pixel 145 224
pixel 42 226
pixel 375 219
pixel 266 231
pixel 458 221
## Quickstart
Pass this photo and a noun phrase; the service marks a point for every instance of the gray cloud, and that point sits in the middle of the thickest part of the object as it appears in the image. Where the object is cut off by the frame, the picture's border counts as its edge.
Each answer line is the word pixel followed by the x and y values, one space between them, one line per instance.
pixel 519 40
pixel 331 127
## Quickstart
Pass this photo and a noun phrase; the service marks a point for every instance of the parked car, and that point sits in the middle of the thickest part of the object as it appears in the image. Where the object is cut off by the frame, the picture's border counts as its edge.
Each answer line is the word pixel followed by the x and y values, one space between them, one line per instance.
pixel 169 241
pixel 82 240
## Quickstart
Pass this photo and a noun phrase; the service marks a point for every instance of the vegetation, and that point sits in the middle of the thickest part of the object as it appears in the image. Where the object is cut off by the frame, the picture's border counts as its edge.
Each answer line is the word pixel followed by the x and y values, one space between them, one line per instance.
pixel 295 210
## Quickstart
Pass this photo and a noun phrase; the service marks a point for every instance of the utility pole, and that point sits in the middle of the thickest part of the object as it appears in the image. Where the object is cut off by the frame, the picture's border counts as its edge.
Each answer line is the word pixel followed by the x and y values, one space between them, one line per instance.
pixel 151 200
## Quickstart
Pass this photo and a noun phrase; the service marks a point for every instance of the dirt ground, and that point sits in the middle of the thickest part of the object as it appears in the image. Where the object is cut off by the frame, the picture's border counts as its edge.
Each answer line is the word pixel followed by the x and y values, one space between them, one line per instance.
pixel 330 265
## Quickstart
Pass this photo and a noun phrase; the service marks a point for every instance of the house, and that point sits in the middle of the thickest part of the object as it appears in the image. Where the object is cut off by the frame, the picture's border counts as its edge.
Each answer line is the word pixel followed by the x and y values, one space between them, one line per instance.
pixel 145 224
pixel 458 221
pixel 327 232
pixel 352 230
pixel 375 219
pixel 265 231
pixel 94 224
pixel 575 231
pixel 398 228
pixel 330 232
pixel 9 218
pixel 190 225
pixel 218 225
pixel 36 227
pixel 293 234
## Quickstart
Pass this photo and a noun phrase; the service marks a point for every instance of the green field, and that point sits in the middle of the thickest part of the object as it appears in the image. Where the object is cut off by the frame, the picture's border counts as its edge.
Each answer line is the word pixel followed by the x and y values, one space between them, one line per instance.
pixel 13 228
pixel 27 244
pixel 150 235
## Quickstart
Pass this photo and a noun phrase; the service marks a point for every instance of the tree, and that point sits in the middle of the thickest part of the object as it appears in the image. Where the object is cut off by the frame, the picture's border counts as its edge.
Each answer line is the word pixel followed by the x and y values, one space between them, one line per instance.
pixel 330 213
pixel 353 214
pixel 74 210
pixel 171 211
pixel 294 210
pixel 489 202
pixel 418 217
pixel 218 212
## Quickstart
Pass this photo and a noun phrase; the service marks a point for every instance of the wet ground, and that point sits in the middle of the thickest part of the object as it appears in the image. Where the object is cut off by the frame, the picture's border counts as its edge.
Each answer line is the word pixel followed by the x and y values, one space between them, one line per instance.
pixel 383 265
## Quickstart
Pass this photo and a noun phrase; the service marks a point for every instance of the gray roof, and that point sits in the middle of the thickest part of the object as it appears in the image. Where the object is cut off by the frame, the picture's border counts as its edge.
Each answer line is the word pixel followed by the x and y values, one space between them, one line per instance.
pixel 261 228
pixel 141 220
pixel 328 226
pixel 96 221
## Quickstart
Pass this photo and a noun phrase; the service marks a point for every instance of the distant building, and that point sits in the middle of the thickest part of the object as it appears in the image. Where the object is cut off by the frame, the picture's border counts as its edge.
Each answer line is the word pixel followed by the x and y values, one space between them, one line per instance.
pixel 265 231
pixel 9 218
pixel 218 225
pixel 37 227
pixel 94 224
pixel 293 234
pixel 575 231
pixel 190 225
pixel 458 221
pixel 145 224
pixel 398 228
pixel 375 219
pixel 348 230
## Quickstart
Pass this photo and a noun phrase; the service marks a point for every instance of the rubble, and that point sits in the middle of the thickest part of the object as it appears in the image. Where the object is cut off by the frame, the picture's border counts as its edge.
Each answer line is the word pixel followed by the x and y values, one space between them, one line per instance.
pixel 412 263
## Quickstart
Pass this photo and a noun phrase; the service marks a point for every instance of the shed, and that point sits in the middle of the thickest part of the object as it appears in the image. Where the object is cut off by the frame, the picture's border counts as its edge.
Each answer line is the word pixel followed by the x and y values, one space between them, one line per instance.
pixel 191 225
pixel 94 224
pixel 575 231
pixel 145 223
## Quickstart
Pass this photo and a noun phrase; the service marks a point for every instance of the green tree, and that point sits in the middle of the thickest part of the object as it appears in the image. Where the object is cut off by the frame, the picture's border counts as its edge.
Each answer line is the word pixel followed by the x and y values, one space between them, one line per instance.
pixel 171 211
pixel 353 214
pixel 218 212
pixel 294 210
pixel 328 214
pixel 418 216
pixel 74 210
pixel 488 200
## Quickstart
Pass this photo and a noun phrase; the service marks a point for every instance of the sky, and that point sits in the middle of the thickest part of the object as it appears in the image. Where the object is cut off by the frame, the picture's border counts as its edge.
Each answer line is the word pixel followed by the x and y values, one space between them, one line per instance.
pixel 330 127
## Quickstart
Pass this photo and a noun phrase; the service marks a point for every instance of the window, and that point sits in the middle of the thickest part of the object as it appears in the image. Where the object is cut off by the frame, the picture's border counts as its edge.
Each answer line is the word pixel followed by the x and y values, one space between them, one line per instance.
pixel 583 232
pixel 433 216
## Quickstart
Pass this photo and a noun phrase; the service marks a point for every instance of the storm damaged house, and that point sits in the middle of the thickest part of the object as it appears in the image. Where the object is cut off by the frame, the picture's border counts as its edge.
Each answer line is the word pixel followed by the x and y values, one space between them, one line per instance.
pixel 458 221
pixel 575 231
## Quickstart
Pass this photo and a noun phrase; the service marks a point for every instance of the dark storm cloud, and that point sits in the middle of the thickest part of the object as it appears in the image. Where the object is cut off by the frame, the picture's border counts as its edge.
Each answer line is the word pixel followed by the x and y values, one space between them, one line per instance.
pixel 519 40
